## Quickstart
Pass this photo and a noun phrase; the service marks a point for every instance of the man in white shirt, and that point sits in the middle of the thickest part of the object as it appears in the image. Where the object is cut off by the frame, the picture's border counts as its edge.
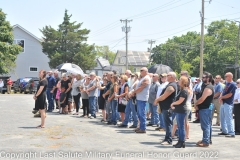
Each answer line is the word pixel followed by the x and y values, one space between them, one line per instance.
pixel 163 84
pixel 1 85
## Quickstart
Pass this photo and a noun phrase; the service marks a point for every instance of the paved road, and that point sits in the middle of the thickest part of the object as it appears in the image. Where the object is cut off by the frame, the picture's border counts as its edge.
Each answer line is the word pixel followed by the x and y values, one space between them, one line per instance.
pixel 72 137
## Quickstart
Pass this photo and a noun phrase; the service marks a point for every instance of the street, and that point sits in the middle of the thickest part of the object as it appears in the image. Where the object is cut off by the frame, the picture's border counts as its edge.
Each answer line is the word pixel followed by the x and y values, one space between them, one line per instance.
pixel 72 137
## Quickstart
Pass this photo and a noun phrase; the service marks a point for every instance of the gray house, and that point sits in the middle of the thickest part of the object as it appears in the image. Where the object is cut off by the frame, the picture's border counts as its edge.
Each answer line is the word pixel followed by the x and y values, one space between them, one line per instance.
pixel 102 67
pixel 31 60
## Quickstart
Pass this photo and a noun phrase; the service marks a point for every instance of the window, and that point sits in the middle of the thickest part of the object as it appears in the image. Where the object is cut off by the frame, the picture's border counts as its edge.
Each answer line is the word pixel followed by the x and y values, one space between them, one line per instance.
pixel 20 42
pixel 33 69
pixel 119 60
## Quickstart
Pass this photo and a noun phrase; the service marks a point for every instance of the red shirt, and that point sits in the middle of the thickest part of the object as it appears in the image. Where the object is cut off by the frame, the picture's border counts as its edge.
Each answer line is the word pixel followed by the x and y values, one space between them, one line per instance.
pixel 9 82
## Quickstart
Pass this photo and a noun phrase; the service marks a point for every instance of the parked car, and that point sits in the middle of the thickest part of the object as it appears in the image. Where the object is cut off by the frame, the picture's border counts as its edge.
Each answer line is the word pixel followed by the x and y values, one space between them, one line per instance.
pixel 4 78
pixel 23 84
pixel 17 85
pixel 31 86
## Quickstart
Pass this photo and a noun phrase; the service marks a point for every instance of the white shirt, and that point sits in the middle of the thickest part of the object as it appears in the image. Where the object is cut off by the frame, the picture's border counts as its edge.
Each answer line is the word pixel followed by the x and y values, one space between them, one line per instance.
pixel 160 88
pixel 237 95
pixel 1 84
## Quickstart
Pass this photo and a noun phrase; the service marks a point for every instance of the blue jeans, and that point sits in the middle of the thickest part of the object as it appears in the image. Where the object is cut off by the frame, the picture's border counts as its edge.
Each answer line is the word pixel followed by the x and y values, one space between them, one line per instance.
pixel 190 115
pixel 168 125
pixel 114 111
pixel 141 110
pixel 108 111
pixel 154 115
pixel 92 105
pixel 206 124
pixel 227 119
pixel 180 117
pixel 130 108
pixel 50 100
pixel 161 119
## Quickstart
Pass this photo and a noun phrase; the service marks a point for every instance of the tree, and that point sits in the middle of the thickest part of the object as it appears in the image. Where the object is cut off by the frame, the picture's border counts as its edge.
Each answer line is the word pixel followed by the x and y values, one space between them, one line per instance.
pixel 103 51
pixel 68 44
pixel 8 50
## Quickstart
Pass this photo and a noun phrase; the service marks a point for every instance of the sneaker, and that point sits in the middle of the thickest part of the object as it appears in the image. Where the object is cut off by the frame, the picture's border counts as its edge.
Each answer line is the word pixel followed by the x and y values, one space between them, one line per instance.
pixel 91 117
pixel 154 125
pixel 123 126
pixel 149 124
pixel 222 134
pixel 166 143
pixel 140 131
pixel 132 126
pixel 196 121
pixel 230 136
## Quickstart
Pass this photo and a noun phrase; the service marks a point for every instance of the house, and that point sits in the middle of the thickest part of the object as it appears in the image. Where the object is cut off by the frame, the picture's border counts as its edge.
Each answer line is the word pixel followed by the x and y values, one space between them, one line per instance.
pixel 102 67
pixel 136 60
pixel 31 60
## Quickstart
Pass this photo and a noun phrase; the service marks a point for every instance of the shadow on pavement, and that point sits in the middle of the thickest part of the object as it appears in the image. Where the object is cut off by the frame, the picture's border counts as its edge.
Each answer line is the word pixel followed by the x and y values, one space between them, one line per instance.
pixel 127 131
pixel 28 127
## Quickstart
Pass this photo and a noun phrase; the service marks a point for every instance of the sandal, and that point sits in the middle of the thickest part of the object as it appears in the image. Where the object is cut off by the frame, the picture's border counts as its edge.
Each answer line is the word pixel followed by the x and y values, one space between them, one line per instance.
pixel 40 126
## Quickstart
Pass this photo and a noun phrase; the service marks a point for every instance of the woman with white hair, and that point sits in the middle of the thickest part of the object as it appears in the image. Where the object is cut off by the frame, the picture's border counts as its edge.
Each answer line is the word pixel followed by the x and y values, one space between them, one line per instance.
pixel 76 83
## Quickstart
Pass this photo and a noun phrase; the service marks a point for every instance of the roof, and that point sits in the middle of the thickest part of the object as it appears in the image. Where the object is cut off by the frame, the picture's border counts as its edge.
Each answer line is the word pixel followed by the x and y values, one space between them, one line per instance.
pixel 15 26
pixel 103 62
pixel 135 58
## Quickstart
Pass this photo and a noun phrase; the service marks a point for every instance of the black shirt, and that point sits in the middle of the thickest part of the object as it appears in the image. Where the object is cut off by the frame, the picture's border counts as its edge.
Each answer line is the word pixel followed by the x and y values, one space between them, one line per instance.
pixel 65 83
pixel 42 83
pixel 165 104
pixel 107 88
pixel 206 103
pixel 181 108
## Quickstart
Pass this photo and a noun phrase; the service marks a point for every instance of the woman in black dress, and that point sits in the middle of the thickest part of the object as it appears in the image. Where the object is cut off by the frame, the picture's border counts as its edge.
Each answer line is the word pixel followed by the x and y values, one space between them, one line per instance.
pixel 66 83
pixel 40 97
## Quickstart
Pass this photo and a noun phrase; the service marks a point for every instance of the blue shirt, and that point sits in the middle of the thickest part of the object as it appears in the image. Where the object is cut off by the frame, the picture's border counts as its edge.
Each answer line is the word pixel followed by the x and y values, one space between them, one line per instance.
pixel 51 82
pixel 229 88
pixel 218 88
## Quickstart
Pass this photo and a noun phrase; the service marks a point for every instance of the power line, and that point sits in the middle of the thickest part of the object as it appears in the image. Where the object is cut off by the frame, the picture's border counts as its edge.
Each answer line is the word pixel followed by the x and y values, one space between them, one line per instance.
pixel 117 43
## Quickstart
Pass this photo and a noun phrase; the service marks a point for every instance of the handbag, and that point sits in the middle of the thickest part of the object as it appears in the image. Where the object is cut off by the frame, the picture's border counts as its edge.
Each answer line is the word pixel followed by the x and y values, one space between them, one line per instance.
pixel 124 101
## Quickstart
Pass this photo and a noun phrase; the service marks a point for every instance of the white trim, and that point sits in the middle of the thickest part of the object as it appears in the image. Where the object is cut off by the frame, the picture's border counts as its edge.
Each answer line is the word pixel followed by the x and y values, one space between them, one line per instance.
pixel 27 32
pixel 24 44
pixel 33 67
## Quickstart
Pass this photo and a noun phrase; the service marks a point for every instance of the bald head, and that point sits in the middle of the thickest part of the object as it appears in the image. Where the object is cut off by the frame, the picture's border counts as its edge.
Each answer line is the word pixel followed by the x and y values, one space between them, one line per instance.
pixel 228 77
pixel 128 73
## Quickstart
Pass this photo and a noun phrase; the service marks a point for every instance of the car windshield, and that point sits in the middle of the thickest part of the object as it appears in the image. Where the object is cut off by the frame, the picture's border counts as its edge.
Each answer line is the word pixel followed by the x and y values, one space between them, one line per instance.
pixel 26 79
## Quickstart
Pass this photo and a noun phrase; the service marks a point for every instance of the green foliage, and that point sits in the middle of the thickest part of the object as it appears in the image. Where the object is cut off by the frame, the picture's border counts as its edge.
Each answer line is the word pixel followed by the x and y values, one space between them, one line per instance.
pixel 8 50
pixel 131 68
pixel 68 44
pixel 103 51
pixel 183 52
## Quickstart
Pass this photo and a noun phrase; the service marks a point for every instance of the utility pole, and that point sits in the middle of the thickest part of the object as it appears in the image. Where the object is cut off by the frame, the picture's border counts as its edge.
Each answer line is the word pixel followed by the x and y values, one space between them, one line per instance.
pixel 126 29
pixel 236 63
pixel 202 40
pixel 150 50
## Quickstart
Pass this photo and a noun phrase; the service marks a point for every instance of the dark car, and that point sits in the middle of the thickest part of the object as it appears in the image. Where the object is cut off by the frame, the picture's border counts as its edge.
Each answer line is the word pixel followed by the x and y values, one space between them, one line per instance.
pixel 4 78
pixel 31 86
pixel 17 85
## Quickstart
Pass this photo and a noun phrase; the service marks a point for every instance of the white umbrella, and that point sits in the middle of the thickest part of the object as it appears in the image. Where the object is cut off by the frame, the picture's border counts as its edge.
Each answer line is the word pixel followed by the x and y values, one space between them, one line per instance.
pixel 71 68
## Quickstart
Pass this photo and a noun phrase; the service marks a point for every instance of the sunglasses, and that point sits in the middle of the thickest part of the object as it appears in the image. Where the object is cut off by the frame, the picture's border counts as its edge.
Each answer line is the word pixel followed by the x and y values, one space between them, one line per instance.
pixel 142 70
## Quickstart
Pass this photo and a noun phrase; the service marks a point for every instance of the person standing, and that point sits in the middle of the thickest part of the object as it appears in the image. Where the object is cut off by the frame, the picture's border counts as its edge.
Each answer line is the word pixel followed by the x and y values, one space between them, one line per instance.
pixel 167 97
pixel 55 89
pixel 66 83
pixel 237 108
pixel 180 109
pixel 51 84
pixel 203 104
pixel 40 97
pixel 152 96
pixel 85 100
pixel 76 92
pixel 226 110
pixel 142 95
pixel 130 107
pixel 217 92
pixel 197 93
pixel 106 95
pixel 92 94
pixel 1 85
pixel 9 85
pixel 163 84
pixel 101 100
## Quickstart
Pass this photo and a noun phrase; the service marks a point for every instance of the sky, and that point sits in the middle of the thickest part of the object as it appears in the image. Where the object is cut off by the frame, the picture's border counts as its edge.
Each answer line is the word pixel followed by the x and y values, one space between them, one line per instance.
pixel 155 20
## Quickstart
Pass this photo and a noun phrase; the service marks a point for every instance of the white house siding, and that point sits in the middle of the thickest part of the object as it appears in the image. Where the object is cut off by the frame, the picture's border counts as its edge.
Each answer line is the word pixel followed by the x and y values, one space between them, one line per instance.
pixel 31 57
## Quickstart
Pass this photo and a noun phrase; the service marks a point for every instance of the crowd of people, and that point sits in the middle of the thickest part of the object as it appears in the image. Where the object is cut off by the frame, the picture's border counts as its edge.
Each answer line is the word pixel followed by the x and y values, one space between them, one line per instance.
pixel 133 98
